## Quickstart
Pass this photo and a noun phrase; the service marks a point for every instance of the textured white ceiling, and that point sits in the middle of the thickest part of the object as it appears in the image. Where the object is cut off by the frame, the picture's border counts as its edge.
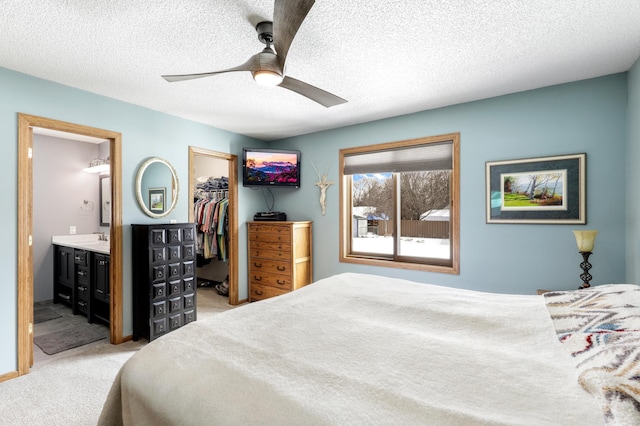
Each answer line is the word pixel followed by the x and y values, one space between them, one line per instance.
pixel 386 58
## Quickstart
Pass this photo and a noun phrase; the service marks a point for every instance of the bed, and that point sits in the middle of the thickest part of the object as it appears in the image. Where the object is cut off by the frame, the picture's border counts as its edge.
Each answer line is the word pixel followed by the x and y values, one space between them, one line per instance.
pixel 365 349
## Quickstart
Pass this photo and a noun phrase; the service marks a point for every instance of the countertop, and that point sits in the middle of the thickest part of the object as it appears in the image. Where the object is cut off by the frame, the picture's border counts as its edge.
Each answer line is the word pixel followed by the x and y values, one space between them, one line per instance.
pixel 88 242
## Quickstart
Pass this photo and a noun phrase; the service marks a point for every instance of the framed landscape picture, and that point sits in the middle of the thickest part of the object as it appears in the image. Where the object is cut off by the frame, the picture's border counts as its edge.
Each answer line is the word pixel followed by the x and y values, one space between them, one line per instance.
pixel 157 199
pixel 548 190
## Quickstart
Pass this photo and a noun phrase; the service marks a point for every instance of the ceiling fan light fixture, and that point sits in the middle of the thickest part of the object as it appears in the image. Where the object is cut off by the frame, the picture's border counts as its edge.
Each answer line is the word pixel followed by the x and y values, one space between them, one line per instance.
pixel 267 77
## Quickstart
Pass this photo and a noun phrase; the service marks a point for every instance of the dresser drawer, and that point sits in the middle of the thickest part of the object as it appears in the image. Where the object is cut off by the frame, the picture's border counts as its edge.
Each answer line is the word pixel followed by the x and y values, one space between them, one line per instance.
pixel 270 250
pixel 267 266
pixel 282 282
pixel 259 292
pixel 270 228
pixel 269 236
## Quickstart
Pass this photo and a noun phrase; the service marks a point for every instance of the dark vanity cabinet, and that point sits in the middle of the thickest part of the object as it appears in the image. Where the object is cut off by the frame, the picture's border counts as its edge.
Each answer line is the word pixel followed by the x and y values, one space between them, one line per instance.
pixel 100 292
pixel 64 275
pixel 164 278
pixel 81 281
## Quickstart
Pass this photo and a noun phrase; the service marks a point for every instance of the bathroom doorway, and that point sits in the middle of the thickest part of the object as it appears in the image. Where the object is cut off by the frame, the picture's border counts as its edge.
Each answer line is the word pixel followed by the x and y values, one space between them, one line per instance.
pixel 26 125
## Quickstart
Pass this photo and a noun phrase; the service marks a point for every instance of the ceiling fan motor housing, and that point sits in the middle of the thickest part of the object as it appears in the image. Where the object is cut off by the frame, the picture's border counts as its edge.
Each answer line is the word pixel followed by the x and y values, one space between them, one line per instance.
pixel 265 32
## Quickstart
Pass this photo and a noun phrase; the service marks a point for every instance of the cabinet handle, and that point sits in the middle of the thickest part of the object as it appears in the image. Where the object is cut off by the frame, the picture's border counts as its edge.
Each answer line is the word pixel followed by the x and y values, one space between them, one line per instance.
pixel 258 292
pixel 280 268
pixel 257 265
pixel 82 303
pixel 82 288
pixel 257 278
pixel 82 273
pixel 102 262
pixel 280 282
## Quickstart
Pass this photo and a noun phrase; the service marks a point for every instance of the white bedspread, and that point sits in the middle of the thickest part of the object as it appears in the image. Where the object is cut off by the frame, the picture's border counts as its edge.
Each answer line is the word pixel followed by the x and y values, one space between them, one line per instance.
pixel 359 349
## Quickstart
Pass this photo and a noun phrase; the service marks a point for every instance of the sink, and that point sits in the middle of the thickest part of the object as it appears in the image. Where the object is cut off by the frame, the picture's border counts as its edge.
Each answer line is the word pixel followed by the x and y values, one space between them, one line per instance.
pixel 84 241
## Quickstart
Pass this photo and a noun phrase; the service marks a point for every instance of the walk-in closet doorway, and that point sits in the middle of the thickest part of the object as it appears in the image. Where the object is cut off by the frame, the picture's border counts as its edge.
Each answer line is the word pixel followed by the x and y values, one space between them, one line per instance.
pixel 205 164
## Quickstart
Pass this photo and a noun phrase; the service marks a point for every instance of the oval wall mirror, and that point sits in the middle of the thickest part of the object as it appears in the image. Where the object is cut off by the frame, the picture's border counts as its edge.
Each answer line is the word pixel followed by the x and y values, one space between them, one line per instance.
pixel 157 187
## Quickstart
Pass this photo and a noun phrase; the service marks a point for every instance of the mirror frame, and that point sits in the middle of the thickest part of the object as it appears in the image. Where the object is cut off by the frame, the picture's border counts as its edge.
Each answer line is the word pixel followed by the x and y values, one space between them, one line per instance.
pixel 105 201
pixel 174 202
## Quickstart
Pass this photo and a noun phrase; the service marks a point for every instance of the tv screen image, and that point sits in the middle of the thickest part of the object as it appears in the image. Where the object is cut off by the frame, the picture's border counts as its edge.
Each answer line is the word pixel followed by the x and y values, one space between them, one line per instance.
pixel 271 167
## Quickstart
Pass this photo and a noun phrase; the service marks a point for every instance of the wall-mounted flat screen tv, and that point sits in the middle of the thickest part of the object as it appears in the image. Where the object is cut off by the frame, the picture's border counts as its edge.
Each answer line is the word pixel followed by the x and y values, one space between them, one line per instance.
pixel 270 167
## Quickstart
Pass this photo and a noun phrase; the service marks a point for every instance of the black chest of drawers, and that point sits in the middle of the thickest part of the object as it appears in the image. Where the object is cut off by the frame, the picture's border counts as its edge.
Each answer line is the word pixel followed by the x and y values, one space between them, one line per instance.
pixel 164 278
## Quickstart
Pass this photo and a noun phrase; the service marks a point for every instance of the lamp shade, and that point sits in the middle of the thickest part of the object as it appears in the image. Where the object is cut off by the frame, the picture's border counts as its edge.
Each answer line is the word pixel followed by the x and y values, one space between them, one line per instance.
pixel 585 240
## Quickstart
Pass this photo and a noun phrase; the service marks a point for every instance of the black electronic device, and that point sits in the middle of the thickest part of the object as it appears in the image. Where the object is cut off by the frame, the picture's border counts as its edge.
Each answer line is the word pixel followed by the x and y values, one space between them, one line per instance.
pixel 270 216
pixel 270 167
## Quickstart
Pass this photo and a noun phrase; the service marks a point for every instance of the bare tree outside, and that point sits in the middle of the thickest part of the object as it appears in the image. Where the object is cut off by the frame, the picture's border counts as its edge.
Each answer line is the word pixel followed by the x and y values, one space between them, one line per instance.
pixel 423 192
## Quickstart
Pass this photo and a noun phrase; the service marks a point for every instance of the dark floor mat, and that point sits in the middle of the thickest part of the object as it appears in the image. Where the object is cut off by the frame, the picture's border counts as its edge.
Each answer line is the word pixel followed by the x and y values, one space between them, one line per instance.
pixel 70 338
pixel 44 314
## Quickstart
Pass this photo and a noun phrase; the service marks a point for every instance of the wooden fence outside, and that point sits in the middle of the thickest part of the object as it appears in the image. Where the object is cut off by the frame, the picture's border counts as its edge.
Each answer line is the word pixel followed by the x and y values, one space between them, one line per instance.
pixel 411 228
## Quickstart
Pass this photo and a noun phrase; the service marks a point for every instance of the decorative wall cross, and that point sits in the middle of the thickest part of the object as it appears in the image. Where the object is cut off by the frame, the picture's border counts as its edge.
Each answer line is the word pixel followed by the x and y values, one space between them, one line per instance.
pixel 323 184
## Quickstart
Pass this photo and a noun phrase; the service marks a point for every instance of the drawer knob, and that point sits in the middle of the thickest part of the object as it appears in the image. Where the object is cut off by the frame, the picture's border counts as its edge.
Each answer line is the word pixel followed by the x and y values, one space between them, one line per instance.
pixel 258 292
pixel 280 282
pixel 257 265
pixel 280 268
pixel 257 278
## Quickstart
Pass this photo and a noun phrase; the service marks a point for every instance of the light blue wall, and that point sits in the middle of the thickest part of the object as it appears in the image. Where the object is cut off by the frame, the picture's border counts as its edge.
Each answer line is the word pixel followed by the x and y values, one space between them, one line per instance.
pixel 145 133
pixel 587 116
pixel 633 176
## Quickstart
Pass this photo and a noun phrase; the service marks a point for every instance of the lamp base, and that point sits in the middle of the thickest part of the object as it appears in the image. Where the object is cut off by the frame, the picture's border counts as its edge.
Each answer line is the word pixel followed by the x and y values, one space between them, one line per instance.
pixel 585 265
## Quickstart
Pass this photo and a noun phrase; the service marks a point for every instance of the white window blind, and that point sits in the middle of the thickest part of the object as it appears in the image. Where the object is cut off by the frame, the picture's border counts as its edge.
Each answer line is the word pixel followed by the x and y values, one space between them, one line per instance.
pixel 427 157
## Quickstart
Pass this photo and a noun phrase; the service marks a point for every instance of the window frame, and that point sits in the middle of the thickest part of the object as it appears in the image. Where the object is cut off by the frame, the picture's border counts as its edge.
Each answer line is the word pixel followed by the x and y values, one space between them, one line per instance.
pixel 423 264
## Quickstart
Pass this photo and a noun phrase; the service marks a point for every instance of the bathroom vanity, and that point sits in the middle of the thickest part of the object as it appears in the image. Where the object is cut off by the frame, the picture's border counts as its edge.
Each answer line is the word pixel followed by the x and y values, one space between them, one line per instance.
pixel 81 275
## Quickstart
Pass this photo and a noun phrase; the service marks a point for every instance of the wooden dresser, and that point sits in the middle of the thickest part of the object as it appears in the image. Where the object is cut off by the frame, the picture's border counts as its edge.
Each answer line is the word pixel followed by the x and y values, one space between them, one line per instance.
pixel 280 258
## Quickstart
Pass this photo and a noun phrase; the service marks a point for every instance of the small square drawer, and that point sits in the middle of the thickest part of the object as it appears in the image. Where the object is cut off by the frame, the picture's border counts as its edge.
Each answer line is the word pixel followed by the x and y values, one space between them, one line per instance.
pixel 174 253
pixel 158 237
pixel 188 285
pixel 159 290
pixel 175 321
pixel 175 236
pixel 174 270
pixel 159 254
pixel 174 287
pixel 83 274
pixel 160 326
pixel 189 300
pixel 189 316
pixel 175 304
pixel 159 308
pixel 159 272
pixel 80 257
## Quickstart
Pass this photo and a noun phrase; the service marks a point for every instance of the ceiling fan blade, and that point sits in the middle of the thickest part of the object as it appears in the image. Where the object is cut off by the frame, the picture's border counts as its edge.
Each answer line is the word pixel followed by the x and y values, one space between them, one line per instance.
pixel 253 64
pixel 287 18
pixel 320 96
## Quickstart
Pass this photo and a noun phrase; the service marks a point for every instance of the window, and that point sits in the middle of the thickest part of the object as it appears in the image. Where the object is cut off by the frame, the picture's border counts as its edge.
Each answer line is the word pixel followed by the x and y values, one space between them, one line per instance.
pixel 399 204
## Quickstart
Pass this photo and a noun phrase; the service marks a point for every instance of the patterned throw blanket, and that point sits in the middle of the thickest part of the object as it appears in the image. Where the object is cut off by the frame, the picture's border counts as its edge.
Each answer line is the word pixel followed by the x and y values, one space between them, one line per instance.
pixel 600 326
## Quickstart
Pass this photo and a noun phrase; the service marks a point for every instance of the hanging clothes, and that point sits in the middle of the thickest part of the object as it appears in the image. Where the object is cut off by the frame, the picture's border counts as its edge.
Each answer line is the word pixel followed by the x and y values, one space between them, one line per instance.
pixel 210 213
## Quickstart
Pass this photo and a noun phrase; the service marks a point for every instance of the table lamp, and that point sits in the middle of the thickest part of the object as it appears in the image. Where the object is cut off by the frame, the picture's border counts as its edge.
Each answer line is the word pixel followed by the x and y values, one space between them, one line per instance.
pixel 585 241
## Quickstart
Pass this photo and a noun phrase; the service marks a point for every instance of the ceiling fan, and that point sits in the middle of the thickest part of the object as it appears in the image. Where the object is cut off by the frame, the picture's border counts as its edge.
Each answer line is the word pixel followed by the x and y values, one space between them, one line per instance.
pixel 267 67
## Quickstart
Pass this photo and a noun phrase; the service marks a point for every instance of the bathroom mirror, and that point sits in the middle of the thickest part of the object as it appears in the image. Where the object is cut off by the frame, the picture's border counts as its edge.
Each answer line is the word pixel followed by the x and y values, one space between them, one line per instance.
pixel 157 187
pixel 105 200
